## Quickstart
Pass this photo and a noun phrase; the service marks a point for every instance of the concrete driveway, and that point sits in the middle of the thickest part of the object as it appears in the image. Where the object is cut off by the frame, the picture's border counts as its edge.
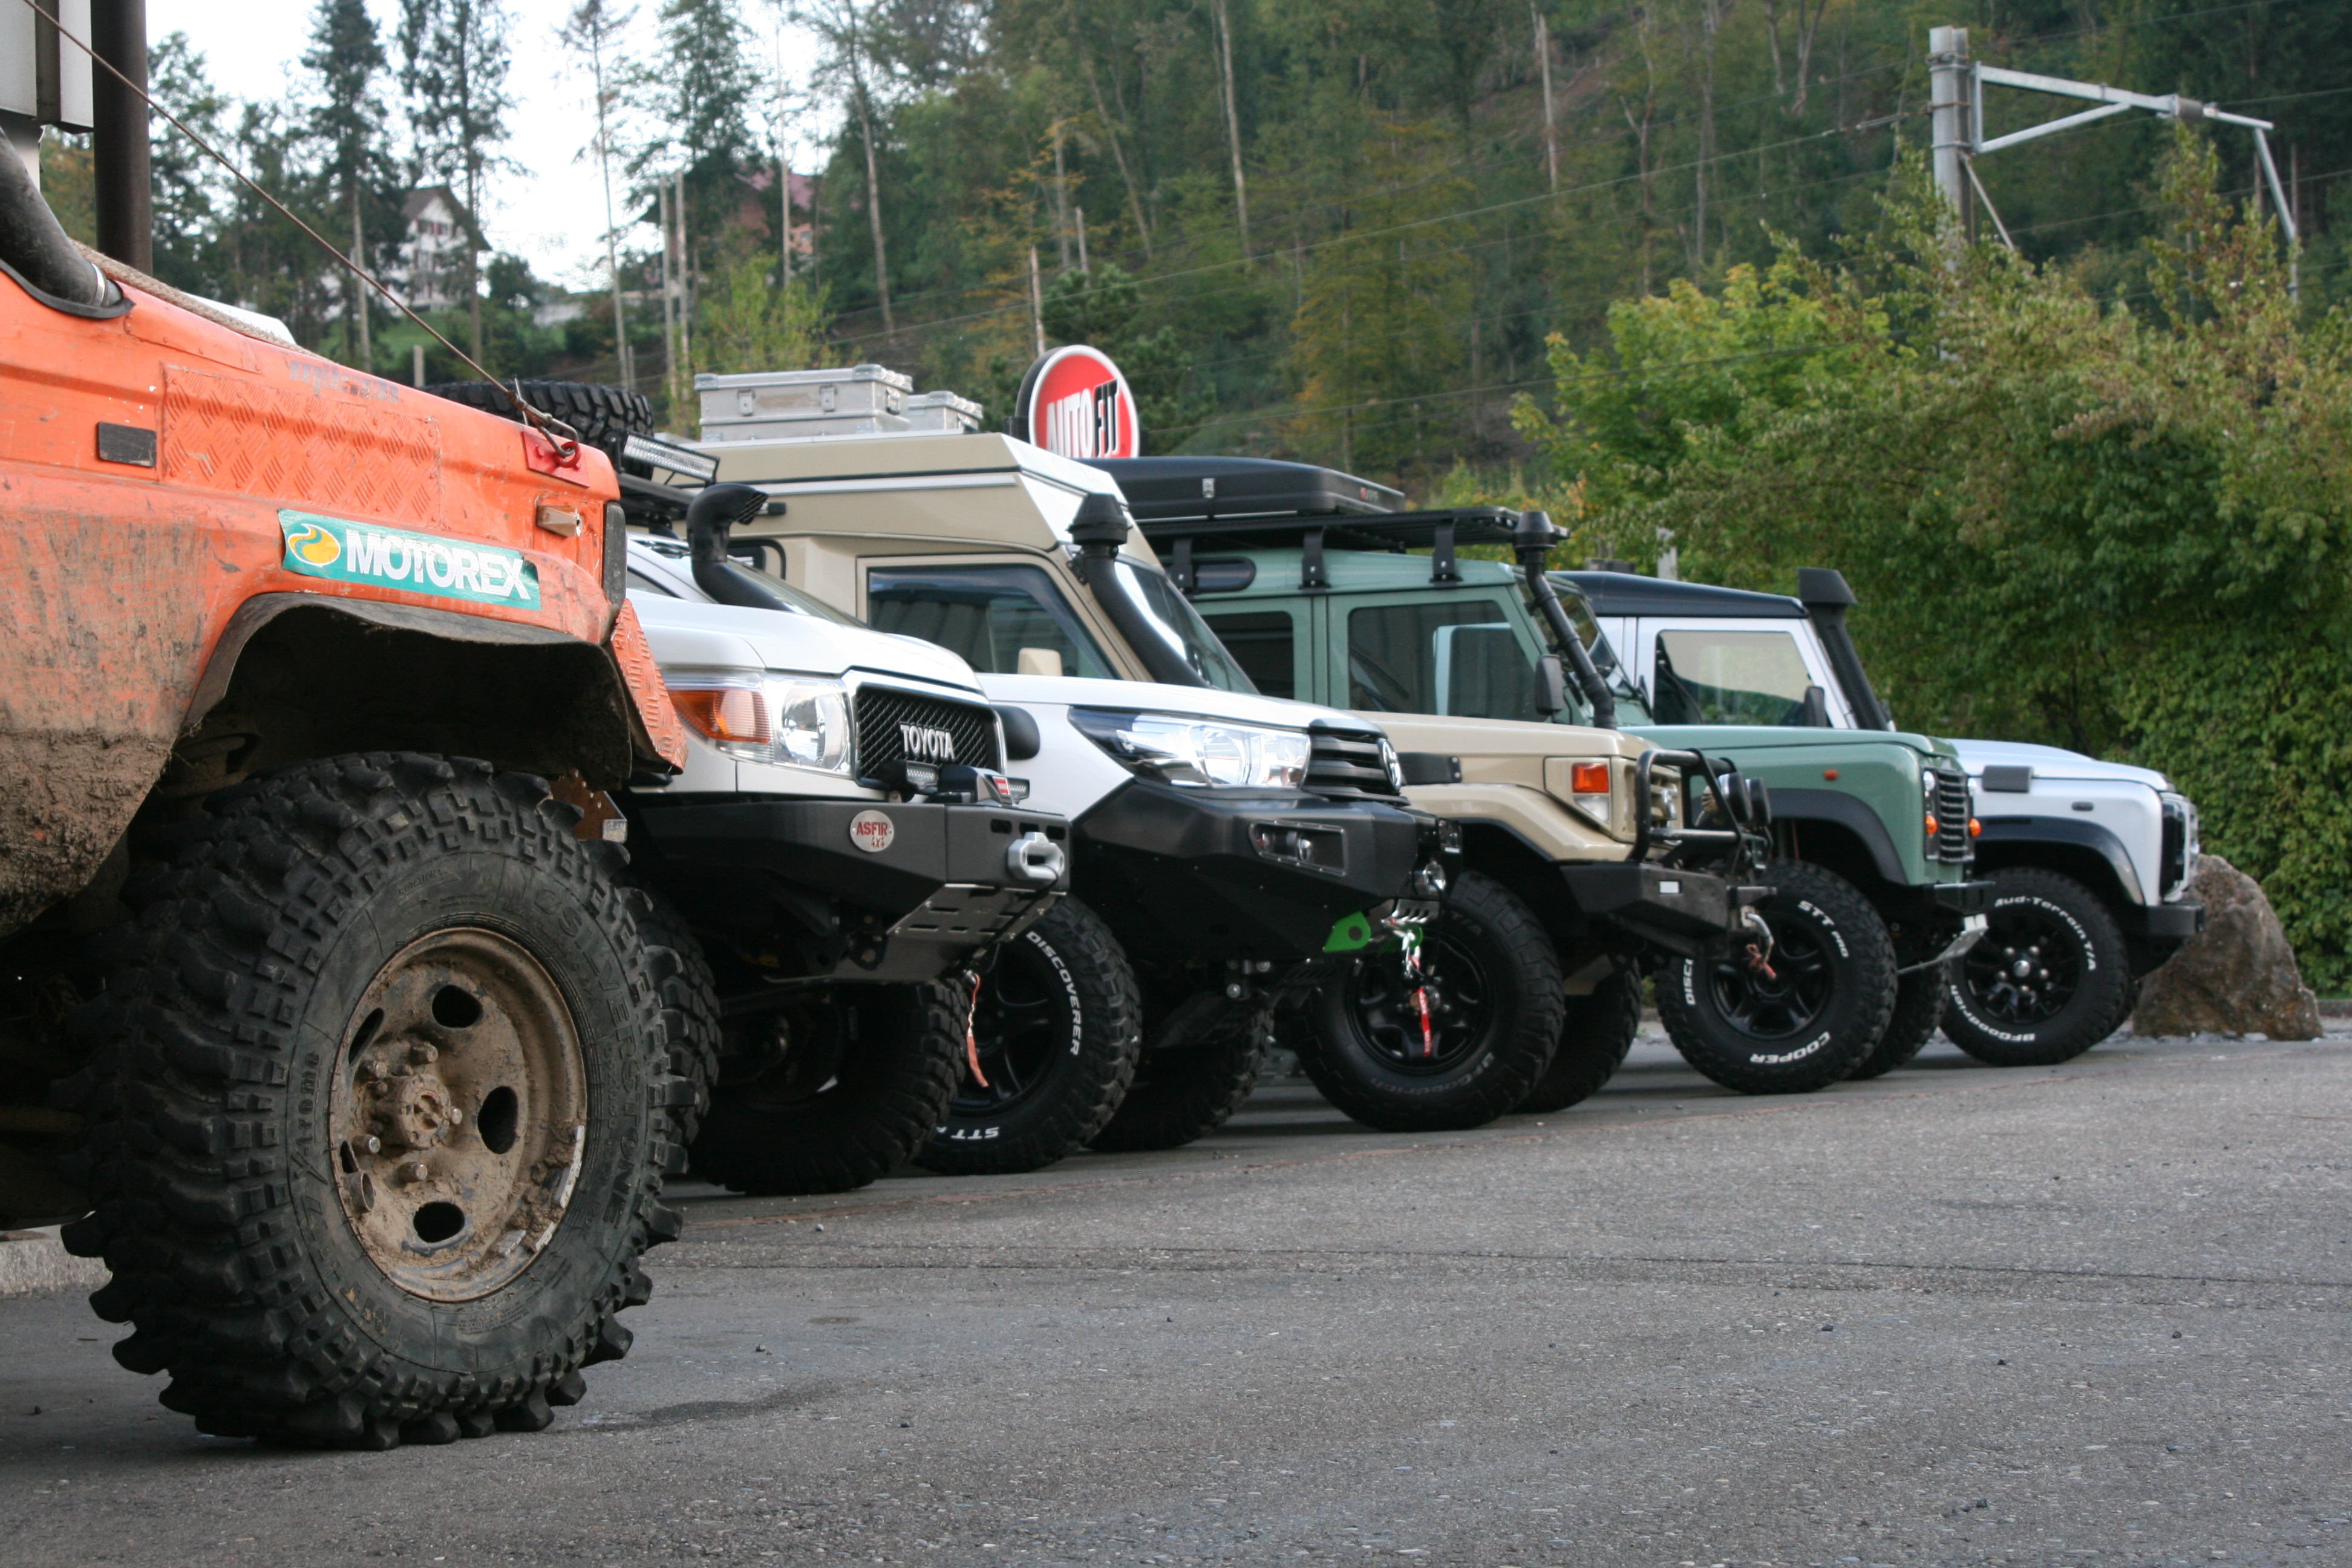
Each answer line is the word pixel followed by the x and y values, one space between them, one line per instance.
pixel 2090 1315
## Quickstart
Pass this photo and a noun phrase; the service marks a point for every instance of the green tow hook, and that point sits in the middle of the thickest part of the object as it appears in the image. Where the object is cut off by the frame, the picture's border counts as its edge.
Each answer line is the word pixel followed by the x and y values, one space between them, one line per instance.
pixel 1352 934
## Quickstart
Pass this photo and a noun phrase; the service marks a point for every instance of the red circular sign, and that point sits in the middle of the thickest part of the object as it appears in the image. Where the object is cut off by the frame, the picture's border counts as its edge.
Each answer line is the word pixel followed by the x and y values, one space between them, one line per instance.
pixel 1075 402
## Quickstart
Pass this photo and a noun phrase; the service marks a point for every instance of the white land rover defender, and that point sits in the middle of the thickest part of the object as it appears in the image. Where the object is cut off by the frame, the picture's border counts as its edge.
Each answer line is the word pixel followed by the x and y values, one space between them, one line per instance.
pixel 2092 860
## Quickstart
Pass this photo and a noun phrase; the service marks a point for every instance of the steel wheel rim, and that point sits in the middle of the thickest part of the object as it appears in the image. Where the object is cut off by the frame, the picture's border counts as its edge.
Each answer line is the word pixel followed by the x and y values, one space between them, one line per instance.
pixel 1775 1010
pixel 1462 1006
pixel 2026 968
pixel 458 1115
pixel 1022 1020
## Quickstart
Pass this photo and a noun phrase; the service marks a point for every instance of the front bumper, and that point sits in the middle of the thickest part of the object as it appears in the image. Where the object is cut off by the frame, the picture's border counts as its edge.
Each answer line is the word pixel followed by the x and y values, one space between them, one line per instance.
pixel 1220 875
pixel 2172 924
pixel 1685 913
pixel 907 898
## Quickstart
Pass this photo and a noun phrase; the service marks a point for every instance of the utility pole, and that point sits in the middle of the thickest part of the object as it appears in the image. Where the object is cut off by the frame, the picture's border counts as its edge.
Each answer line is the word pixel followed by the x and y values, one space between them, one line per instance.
pixel 1551 132
pixel 119 150
pixel 1037 304
pixel 669 301
pixel 1951 134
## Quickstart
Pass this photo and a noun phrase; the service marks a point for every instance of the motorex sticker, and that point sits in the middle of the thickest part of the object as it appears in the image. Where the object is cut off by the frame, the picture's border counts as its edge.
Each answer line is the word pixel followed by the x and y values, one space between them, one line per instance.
pixel 394 558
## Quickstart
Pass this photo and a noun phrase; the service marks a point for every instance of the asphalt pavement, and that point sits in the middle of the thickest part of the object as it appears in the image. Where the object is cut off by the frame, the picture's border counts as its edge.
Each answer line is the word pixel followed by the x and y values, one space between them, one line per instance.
pixel 2094 1314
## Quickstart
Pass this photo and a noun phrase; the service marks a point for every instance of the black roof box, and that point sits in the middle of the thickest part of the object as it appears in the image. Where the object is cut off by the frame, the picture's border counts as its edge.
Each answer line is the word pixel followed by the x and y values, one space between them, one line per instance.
pixel 1169 490
pixel 1630 594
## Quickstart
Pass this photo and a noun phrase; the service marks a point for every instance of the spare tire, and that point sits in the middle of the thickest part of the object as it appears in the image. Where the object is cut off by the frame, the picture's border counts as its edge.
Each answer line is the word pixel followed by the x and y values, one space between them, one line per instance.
pixel 605 416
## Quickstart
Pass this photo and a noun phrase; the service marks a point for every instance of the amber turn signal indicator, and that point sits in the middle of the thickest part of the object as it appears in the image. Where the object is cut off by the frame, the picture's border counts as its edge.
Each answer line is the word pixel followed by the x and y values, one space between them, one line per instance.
pixel 1589 778
pixel 727 713
pixel 1933 825
pixel 1976 828
pixel 1830 774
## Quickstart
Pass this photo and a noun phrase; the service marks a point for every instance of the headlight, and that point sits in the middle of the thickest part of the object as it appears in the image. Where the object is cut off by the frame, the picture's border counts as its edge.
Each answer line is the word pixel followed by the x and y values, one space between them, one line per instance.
pixel 789 720
pixel 1198 752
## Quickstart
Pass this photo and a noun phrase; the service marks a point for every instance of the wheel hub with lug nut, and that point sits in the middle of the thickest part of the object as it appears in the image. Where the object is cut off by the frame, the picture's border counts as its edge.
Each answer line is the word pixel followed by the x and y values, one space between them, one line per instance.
pixel 459 1115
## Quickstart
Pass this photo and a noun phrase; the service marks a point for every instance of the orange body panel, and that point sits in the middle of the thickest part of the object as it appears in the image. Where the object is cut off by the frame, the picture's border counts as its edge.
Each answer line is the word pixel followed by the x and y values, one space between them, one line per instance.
pixel 121 575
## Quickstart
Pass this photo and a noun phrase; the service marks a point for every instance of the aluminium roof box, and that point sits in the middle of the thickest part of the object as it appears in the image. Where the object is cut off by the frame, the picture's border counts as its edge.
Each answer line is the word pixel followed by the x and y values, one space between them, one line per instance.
pixel 1184 488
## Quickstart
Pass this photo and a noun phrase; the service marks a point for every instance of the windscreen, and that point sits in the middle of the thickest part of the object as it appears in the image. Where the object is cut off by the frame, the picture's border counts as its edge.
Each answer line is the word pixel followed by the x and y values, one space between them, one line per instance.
pixel 1730 678
pixel 987 615
pixel 1185 627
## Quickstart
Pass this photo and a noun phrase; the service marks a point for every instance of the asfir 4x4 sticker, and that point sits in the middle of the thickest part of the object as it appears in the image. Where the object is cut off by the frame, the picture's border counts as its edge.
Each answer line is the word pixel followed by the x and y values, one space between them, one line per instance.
pixel 394 558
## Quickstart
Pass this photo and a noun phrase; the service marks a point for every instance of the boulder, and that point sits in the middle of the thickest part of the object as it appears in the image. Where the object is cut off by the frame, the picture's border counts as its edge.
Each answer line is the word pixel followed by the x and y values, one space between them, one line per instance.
pixel 2237 977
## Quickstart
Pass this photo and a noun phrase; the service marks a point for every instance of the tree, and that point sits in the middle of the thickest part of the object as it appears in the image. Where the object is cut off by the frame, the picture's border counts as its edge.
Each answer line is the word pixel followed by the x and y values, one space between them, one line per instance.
pixel 747 324
pixel 188 192
pixel 592 30
pixel 1378 337
pixel 853 66
pixel 347 124
pixel 1103 308
pixel 455 55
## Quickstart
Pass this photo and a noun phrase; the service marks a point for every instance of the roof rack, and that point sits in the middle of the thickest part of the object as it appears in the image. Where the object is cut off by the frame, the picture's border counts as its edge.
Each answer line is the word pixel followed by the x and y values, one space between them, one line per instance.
pixel 1393 532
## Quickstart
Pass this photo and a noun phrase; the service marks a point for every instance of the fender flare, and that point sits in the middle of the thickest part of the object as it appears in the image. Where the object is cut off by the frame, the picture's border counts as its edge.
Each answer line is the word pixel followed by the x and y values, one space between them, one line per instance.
pixel 1799 805
pixel 2098 838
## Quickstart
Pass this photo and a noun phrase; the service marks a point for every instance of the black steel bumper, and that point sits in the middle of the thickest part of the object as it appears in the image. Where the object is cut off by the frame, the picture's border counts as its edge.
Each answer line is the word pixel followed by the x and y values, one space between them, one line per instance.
pixel 1685 913
pixel 906 892
pixel 1219 875
pixel 1964 898
pixel 2173 923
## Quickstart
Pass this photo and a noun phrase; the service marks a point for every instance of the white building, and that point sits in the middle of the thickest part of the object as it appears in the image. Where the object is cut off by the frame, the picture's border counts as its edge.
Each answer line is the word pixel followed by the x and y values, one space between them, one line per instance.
pixel 433 251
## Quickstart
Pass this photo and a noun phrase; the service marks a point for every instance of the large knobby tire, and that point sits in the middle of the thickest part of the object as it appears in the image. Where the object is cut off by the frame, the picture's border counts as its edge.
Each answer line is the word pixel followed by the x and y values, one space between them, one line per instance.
pixel 380 1101
pixel 2048 981
pixel 1191 1080
pixel 1594 1037
pixel 1809 1023
pixel 1058 1025
pixel 1491 983
pixel 690 996
pixel 851 1083
pixel 1918 1008
pixel 605 416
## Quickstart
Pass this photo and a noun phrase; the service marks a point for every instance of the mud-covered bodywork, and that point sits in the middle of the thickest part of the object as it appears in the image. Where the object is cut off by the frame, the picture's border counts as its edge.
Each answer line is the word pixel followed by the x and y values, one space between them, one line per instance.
pixel 160 473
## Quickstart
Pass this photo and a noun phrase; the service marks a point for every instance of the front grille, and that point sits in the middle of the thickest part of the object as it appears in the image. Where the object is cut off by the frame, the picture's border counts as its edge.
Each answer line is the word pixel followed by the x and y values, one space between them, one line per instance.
pixel 886 718
pixel 1348 765
pixel 1953 809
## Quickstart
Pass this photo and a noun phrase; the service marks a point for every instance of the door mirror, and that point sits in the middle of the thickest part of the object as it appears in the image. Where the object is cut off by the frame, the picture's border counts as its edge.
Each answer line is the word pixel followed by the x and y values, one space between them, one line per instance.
pixel 1814 712
pixel 1552 685
pixel 1039 661
pixel 1479 671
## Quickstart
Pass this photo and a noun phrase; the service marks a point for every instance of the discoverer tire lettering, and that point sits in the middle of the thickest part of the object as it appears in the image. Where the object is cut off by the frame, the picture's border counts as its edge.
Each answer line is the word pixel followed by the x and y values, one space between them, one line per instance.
pixel 1060 1028
pixel 220 1044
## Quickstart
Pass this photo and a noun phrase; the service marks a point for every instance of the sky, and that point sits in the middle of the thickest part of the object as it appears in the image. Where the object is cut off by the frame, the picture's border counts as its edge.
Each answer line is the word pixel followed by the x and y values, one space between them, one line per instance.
pixel 552 212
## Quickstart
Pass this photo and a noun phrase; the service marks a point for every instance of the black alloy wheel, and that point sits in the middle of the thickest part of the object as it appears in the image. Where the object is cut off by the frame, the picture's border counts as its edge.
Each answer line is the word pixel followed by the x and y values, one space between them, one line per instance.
pixel 1056 1027
pixel 1804 1017
pixel 1455 1043
pixel 2049 980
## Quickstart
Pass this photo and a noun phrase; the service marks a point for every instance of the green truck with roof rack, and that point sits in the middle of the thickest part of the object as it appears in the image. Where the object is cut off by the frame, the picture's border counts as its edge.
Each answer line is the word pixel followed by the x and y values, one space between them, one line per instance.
pixel 1325 589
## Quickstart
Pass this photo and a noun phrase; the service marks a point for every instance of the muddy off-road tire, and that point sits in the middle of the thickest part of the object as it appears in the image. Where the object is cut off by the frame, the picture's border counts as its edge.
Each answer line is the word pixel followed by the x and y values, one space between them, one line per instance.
pixel 1493 1031
pixel 1191 1080
pixel 860 1080
pixel 1058 1025
pixel 345 970
pixel 2049 980
pixel 1918 1008
pixel 1593 1039
pixel 605 416
pixel 1810 1022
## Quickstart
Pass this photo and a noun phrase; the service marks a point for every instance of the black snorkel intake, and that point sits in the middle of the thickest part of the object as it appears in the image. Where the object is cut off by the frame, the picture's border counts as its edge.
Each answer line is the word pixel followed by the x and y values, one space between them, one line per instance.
pixel 1824 592
pixel 1101 526
pixel 709 518
pixel 1532 538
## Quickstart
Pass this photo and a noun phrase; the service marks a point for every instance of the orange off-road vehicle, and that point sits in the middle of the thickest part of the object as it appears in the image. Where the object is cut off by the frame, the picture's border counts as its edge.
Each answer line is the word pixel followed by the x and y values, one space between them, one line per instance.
pixel 323 1020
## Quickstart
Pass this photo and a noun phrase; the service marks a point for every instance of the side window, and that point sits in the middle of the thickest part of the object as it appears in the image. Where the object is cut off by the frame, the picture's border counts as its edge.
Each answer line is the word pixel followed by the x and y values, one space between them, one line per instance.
pixel 989 615
pixel 1265 643
pixel 1730 678
pixel 1456 657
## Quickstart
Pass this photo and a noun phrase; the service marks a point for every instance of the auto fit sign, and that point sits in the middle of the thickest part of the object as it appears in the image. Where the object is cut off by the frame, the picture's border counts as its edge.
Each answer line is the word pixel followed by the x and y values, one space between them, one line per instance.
pixel 1075 402
pixel 343 552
